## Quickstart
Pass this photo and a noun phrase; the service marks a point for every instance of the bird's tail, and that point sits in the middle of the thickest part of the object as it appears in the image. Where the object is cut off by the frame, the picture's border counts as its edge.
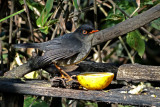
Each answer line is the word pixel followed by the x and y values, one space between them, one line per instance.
pixel 27 45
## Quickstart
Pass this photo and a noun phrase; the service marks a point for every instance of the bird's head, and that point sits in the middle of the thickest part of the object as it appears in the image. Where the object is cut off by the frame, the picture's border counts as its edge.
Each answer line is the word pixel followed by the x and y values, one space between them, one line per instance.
pixel 84 32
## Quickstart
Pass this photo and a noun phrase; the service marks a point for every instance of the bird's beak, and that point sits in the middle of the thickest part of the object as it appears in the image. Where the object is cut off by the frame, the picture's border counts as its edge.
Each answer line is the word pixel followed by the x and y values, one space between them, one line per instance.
pixel 93 31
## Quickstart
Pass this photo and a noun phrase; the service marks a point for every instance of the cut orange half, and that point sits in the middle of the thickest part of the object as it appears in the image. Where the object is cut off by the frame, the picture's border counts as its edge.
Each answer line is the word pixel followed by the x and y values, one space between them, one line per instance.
pixel 95 80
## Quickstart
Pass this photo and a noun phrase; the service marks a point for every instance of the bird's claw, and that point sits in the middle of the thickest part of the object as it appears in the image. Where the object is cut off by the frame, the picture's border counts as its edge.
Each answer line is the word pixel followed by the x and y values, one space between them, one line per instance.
pixel 58 82
pixel 64 83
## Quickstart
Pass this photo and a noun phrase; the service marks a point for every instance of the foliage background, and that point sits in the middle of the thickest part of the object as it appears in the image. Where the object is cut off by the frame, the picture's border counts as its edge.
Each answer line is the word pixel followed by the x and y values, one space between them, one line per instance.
pixel 24 21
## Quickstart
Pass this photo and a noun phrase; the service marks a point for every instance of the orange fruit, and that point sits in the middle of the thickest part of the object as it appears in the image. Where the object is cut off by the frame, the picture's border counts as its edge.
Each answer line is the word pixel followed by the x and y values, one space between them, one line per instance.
pixel 95 80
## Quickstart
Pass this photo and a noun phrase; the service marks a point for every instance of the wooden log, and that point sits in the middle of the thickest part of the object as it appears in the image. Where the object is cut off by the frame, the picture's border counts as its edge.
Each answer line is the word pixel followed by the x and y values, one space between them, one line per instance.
pixel 85 66
pixel 113 96
pixel 137 72
pixel 127 72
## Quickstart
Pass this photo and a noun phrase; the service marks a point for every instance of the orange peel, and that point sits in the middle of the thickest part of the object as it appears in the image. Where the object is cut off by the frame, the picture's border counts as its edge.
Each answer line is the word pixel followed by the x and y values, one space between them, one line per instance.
pixel 95 80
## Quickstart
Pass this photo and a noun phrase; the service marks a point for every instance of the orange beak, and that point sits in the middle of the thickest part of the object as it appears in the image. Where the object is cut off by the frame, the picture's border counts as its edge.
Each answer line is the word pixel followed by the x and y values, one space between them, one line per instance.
pixel 93 31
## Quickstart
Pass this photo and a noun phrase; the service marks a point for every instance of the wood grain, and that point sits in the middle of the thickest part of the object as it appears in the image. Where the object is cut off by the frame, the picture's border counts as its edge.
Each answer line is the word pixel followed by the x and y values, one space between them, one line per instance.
pixel 33 87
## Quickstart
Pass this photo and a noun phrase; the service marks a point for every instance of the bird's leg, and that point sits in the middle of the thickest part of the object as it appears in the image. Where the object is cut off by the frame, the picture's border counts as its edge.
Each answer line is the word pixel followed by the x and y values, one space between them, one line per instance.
pixel 63 73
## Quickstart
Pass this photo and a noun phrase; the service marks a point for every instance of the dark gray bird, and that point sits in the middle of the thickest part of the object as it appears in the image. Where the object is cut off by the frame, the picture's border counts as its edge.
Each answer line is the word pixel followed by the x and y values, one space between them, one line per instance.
pixel 68 49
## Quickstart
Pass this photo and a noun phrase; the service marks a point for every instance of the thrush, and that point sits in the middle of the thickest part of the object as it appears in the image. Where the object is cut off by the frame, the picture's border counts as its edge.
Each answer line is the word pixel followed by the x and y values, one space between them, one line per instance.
pixel 65 50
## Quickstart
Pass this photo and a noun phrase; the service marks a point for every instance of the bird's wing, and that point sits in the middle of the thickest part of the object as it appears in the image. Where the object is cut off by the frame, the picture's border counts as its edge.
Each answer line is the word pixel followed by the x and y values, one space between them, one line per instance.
pixel 64 42
pixel 63 49
pixel 58 48
pixel 41 46
pixel 53 56
pixel 52 44
pixel 27 45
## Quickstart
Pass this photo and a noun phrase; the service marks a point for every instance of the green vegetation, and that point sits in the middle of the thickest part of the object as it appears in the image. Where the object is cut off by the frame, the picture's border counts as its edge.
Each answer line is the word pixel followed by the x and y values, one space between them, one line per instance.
pixel 53 18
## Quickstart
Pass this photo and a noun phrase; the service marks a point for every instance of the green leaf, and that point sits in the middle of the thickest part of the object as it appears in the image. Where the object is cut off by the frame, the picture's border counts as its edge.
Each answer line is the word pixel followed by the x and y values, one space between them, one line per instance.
pixel 45 14
pixel 156 24
pixel 135 41
pixel 51 22
pixel 34 102
pixel 75 4
pixel 45 18
pixel 130 10
pixel 114 17
pixel 44 29
pixel 32 75
pixel 111 20
pixel 49 5
pixel 42 19
pixel 38 22
pixel 149 2
pixel 33 5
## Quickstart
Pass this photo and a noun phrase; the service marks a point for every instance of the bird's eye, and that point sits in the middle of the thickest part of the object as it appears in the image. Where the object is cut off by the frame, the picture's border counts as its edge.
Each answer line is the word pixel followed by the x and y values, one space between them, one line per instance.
pixel 85 32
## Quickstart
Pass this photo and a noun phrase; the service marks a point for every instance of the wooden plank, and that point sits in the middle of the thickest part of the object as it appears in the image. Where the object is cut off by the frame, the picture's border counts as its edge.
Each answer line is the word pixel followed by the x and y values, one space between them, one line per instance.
pixel 113 96
pixel 138 72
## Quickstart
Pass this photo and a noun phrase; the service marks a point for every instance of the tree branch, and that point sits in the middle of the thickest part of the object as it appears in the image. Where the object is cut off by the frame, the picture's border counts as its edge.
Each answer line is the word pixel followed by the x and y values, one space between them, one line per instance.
pixel 126 26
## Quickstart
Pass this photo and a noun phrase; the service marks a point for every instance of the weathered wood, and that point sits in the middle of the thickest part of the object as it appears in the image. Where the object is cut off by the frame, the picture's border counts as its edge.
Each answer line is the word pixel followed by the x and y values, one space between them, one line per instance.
pixel 138 72
pixel 12 100
pixel 85 66
pixel 113 96
pixel 90 66
pixel 135 72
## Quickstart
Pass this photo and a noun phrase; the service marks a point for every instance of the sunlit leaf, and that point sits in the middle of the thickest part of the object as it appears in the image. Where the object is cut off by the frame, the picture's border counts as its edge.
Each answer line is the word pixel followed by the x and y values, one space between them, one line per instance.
pixel 41 21
pixel 31 75
pixel 44 29
pixel 49 5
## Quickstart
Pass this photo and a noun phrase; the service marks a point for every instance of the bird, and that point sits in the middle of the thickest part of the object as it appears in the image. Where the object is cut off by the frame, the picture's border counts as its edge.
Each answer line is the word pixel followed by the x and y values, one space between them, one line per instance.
pixel 65 50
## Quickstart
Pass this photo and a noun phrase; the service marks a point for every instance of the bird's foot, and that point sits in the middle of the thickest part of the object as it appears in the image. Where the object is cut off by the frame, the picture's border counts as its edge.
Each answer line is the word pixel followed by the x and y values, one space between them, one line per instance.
pixel 64 83
pixel 64 75
pixel 58 82
pixel 67 77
